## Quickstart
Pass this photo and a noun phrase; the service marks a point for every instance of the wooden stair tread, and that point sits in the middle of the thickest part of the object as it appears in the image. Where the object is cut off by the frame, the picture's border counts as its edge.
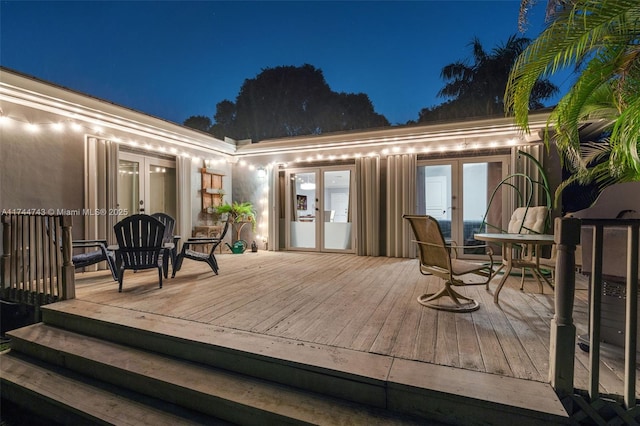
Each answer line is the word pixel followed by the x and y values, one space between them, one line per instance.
pixel 381 371
pixel 95 403
pixel 185 381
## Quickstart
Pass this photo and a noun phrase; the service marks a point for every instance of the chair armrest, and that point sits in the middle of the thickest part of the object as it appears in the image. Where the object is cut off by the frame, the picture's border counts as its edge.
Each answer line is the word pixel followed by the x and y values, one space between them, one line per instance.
pixel 200 241
pixel 455 247
pixel 88 243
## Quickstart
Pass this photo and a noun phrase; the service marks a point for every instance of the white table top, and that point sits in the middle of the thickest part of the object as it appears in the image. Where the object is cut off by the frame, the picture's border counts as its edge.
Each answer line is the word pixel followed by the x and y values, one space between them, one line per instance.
pixel 516 238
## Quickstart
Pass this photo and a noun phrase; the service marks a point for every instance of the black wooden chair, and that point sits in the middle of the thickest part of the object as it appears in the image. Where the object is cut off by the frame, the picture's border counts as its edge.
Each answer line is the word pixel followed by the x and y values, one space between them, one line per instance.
pixel 140 245
pixel 170 240
pixel 205 255
pixel 87 258
pixel 102 254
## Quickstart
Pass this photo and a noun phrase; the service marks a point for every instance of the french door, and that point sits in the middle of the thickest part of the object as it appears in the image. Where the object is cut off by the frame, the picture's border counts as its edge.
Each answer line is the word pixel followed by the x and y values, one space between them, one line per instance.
pixel 457 193
pixel 146 185
pixel 319 209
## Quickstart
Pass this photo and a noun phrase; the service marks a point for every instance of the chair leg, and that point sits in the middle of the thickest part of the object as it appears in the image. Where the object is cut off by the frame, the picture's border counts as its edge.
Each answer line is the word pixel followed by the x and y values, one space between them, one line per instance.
pixel 165 263
pixel 160 273
pixel 212 264
pixel 177 265
pixel 467 304
pixel 120 277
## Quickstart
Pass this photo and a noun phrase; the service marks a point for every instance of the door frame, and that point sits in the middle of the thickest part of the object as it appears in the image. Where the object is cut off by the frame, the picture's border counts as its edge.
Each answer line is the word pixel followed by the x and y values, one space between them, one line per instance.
pixel 144 181
pixel 319 207
pixel 457 190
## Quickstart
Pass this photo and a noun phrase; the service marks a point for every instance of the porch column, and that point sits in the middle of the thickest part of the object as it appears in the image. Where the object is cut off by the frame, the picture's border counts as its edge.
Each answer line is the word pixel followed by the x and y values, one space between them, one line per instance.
pixel 5 261
pixel 563 331
pixel 68 272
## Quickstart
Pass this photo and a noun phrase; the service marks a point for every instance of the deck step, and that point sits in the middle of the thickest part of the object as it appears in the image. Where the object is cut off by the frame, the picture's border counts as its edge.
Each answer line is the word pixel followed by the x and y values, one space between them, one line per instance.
pixel 283 374
pixel 214 392
pixel 38 387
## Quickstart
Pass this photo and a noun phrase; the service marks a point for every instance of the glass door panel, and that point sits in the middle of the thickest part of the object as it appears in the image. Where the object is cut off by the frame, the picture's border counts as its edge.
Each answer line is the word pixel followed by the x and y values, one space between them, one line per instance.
pixel 162 189
pixel 303 210
pixel 128 187
pixel 435 196
pixel 146 185
pixel 337 217
pixel 441 186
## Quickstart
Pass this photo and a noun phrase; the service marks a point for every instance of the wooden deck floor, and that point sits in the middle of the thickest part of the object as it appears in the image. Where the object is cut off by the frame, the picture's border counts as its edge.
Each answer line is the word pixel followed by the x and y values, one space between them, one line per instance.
pixel 362 303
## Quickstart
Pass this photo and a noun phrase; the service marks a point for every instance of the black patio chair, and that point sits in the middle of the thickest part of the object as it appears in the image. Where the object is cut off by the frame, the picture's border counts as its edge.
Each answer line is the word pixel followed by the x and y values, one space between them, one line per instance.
pixel 140 245
pixel 205 255
pixel 102 254
pixel 170 240
pixel 87 258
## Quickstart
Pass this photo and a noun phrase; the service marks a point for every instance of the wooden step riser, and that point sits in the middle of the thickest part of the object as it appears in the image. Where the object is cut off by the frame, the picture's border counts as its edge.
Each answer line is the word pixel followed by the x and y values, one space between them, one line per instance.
pixel 430 391
pixel 145 385
pixel 212 392
pixel 42 406
pixel 36 386
pixel 351 388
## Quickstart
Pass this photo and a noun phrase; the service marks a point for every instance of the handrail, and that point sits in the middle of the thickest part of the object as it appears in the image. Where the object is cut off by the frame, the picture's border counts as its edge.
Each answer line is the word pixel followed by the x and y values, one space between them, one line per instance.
pixel 563 332
pixel 36 266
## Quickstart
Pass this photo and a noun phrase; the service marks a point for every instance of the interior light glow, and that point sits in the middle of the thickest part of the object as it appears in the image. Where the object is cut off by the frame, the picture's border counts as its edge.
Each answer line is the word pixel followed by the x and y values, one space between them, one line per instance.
pixel 33 128
pixel 307 186
pixel 76 127
pixel 58 127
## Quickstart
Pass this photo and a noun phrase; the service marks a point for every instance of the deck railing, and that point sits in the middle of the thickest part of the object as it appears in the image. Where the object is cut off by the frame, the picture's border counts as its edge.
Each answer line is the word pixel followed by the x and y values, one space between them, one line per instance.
pixel 563 331
pixel 36 266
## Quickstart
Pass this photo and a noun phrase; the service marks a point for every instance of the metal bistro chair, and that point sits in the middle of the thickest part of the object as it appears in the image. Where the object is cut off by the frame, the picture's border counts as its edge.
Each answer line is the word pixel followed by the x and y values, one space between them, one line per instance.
pixel 207 256
pixel 436 259
pixel 140 245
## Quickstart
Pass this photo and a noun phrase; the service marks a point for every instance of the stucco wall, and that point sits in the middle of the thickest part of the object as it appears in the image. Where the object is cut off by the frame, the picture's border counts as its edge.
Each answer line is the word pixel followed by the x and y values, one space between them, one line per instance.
pixel 43 170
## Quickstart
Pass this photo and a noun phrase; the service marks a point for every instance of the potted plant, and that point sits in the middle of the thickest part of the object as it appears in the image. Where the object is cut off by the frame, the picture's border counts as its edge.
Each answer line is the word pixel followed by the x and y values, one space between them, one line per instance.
pixel 240 212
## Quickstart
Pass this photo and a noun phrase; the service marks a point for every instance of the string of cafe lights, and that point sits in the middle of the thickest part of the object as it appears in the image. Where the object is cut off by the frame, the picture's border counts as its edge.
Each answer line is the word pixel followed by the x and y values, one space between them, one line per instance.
pixel 99 132
pixel 60 126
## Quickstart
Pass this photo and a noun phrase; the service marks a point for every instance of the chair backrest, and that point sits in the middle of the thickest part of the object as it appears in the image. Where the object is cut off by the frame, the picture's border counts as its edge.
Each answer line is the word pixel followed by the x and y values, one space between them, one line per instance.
pixel 427 230
pixel 169 225
pixel 528 220
pixel 140 238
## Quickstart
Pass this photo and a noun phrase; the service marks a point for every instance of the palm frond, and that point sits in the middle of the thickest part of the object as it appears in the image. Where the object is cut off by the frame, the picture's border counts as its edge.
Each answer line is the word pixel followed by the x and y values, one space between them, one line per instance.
pixel 570 37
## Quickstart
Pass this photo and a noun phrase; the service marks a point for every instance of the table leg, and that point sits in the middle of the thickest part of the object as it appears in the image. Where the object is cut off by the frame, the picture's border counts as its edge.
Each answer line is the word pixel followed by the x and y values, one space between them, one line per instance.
pixel 507 272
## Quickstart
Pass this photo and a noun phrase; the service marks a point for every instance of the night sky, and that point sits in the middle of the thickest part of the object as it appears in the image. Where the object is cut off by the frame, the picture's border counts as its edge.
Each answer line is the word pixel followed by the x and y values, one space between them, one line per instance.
pixel 178 59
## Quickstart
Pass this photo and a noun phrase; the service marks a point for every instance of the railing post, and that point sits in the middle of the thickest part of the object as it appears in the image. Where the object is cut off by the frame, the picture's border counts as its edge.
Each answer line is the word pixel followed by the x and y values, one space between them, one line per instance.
pixel 563 331
pixel 5 262
pixel 68 272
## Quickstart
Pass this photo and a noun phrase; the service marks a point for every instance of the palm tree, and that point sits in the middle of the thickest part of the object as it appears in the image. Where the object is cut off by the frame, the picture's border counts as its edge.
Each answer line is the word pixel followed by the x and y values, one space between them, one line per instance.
pixel 477 89
pixel 601 39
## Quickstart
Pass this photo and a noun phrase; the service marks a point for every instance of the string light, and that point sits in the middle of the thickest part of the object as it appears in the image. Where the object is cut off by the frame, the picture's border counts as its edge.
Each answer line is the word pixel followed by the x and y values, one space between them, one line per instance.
pixel 7 121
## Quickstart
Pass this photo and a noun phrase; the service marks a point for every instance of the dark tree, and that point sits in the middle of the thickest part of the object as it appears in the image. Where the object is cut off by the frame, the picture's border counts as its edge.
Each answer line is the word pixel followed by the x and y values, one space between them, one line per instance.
pixel 291 101
pixel 477 89
pixel 225 118
pixel 198 122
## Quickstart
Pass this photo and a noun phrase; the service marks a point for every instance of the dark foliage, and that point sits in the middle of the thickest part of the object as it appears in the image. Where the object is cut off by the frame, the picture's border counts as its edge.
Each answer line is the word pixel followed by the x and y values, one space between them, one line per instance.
pixel 477 89
pixel 291 101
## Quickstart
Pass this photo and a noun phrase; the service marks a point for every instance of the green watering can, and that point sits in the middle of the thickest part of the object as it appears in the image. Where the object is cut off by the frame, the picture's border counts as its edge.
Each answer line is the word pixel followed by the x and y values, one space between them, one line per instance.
pixel 238 247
